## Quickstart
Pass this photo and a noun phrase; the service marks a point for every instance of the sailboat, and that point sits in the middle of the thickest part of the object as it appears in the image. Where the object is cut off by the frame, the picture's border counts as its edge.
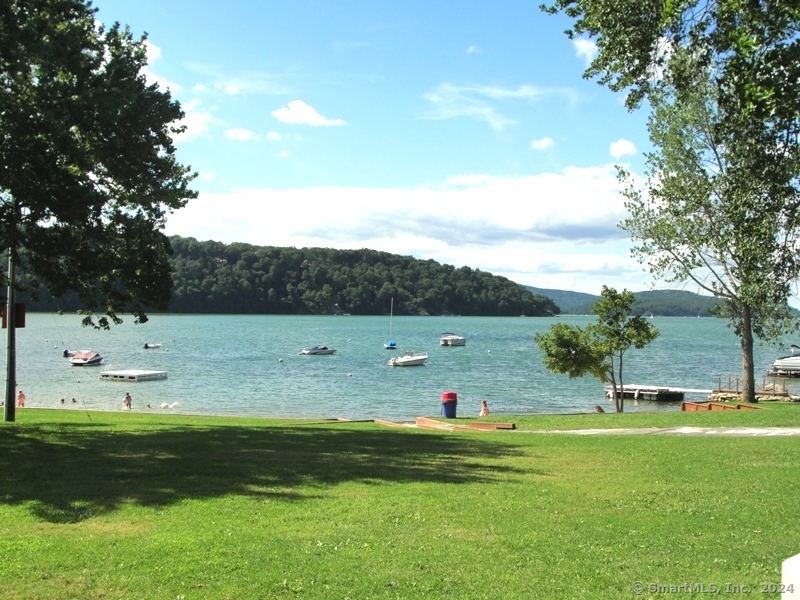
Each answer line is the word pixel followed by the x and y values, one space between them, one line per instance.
pixel 391 345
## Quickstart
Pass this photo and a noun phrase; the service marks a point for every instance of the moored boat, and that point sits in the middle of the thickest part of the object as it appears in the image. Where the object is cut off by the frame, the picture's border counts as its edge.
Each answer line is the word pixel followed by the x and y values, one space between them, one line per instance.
pixel 85 358
pixel 391 344
pixel 451 339
pixel 787 366
pixel 409 359
pixel 317 350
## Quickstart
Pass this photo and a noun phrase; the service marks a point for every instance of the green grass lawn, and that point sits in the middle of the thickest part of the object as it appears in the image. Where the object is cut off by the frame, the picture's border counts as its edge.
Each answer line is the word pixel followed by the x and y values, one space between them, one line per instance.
pixel 124 505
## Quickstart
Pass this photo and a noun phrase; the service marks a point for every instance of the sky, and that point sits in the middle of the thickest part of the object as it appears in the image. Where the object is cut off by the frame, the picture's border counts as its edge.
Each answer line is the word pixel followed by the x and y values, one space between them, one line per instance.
pixel 462 132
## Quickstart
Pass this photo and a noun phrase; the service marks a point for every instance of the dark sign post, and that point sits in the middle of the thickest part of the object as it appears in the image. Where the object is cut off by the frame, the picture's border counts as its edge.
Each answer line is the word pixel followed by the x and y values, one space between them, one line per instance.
pixel 11 348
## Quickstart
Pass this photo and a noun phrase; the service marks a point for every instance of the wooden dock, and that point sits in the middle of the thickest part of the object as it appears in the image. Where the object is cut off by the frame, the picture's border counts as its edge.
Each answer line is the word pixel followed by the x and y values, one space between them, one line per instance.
pixel 655 393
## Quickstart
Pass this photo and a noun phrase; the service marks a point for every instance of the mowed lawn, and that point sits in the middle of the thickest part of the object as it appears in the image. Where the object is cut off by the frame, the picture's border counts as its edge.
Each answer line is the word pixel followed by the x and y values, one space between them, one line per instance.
pixel 127 505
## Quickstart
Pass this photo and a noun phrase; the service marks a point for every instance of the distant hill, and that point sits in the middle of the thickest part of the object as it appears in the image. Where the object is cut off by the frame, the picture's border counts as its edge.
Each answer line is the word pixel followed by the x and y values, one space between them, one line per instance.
pixel 214 278
pixel 664 303
pixel 564 299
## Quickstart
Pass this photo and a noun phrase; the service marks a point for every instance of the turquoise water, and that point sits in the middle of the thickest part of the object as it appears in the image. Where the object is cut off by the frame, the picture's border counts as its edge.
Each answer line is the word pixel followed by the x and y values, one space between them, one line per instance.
pixel 249 365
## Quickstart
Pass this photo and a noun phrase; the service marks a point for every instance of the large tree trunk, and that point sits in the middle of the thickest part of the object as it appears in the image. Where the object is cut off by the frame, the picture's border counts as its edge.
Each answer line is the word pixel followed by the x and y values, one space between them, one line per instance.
pixel 748 368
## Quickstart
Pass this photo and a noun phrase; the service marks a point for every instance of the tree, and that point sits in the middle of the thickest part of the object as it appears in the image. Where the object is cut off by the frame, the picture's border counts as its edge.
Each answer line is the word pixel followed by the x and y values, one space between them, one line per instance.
pixel 722 200
pixel 703 219
pixel 88 171
pixel 598 349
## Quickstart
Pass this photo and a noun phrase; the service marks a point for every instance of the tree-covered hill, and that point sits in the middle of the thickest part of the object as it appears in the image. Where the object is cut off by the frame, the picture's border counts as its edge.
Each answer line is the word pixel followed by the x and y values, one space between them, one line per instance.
pixel 664 303
pixel 212 277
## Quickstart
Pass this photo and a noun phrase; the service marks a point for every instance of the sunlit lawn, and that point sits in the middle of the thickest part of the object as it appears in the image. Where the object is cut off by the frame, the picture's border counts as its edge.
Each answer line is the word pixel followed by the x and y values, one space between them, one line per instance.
pixel 126 505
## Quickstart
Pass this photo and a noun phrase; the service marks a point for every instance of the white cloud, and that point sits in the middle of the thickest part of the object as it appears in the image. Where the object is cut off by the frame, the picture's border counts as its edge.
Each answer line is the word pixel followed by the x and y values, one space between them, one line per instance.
pixel 154 55
pixel 622 147
pixel 197 121
pixel 483 102
pixel 544 143
pixel 274 136
pixel 240 135
pixel 474 50
pixel 298 112
pixel 283 153
pixel 551 230
pixel 585 49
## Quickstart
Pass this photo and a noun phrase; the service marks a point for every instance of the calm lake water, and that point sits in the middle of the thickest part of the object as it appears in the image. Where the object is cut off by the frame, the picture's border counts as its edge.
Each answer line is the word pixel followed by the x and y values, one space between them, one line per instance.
pixel 249 365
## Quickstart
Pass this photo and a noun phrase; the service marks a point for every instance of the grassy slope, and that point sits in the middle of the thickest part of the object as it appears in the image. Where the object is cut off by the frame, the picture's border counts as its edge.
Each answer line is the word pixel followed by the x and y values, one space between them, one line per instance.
pixel 159 506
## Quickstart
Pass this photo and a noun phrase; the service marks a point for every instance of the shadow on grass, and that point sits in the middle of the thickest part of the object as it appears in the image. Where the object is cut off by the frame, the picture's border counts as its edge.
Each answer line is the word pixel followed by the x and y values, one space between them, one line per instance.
pixel 73 472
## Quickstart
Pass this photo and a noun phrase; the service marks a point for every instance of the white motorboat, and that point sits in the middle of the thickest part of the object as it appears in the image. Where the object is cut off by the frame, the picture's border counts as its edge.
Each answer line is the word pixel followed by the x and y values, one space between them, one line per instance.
pixel 151 345
pixel 451 339
pixel 85 358
pixel 317 350
pixel 787 365
pixel 409 359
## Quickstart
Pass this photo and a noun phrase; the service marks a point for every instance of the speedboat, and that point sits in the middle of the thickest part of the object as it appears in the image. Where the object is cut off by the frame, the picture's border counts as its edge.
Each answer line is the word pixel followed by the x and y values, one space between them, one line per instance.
pixel 787 365
pixel 451 339
pixel 85 358
pixel 149 345
pixel 409 359
pixel 317 350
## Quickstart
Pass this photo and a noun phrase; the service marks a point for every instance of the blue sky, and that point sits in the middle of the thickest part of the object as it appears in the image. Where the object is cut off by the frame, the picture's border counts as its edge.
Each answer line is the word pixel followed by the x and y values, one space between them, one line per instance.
pixel 457 131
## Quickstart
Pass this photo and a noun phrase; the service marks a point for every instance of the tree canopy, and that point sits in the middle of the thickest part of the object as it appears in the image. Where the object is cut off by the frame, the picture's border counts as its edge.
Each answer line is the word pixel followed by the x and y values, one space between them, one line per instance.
pixel 212 277
pixel 88 170
pixel 722 202
pixel 599 348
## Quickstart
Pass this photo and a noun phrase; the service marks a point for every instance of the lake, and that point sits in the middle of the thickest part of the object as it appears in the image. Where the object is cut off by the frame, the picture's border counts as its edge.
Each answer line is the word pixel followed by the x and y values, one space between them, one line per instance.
pixel 248 365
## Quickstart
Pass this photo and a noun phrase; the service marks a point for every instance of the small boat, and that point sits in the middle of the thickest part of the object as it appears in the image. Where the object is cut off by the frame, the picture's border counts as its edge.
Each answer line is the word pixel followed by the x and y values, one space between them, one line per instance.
pixel 391 344
pixel 788 365
pixel 409 359
pixel 149 345
pixel 317 350
pixel 85 358
pixel 451 339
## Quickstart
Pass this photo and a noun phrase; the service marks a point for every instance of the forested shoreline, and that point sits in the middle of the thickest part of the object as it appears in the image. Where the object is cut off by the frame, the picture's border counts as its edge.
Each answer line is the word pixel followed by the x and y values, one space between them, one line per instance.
pixel 216 278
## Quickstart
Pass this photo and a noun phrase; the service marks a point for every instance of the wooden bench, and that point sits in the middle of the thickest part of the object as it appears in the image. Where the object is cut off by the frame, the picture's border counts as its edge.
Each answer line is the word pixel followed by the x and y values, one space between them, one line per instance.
pixel 694 406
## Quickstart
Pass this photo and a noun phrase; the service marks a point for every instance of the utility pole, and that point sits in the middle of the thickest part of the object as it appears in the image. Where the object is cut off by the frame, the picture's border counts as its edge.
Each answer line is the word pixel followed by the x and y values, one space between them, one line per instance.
pixel 11 347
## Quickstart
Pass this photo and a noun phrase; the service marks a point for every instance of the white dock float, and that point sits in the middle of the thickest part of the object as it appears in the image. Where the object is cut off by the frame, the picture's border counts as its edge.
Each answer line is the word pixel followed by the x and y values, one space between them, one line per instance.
pixel 133 375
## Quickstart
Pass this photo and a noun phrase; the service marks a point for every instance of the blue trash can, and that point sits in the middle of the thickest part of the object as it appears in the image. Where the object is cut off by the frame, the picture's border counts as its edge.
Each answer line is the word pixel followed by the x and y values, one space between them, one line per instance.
pixel 449 404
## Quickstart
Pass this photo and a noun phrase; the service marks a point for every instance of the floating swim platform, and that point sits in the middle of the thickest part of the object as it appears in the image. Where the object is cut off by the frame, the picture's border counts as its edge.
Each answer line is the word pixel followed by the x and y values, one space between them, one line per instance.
pixel 133 375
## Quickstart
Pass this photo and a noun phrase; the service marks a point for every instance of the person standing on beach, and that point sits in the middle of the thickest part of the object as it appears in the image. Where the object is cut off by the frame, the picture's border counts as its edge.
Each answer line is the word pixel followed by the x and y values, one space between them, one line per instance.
pixel 21 400
pixel 127 402
pixel 484 409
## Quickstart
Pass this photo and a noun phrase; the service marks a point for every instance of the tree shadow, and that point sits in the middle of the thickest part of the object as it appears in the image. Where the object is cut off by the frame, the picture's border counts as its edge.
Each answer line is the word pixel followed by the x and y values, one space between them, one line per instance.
pixel 72 472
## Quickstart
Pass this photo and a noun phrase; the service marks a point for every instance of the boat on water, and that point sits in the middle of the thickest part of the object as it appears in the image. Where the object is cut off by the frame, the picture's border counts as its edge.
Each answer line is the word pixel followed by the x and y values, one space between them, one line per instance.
pixel 409 359
pixel 787 366
pixel 317 350
pixel 451 339
pixel 391 344
pixel 149 345
pixel 85 358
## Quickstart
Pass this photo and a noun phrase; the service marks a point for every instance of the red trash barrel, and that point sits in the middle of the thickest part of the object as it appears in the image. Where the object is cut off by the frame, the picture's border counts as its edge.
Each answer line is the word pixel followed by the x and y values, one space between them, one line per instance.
pixel 449 404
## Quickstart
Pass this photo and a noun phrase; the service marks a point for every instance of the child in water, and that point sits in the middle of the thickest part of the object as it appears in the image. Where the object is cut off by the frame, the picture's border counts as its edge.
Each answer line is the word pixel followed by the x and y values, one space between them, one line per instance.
pixel 484 409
